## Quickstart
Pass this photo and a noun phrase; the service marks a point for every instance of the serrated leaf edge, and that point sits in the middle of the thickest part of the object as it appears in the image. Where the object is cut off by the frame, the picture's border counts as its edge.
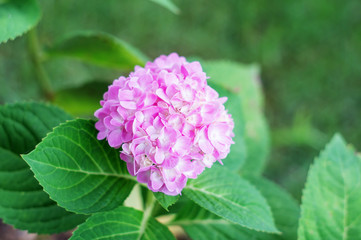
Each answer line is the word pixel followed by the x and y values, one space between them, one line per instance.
pixel 27 30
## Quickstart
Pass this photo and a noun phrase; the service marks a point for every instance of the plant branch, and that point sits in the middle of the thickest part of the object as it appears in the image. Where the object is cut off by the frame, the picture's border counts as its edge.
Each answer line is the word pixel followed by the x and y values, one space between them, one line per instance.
pixel 35 55
pixel 149 206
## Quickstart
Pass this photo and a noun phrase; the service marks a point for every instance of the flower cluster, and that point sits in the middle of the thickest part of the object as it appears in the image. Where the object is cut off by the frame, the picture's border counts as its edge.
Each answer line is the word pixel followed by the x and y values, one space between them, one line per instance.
pixel 168 121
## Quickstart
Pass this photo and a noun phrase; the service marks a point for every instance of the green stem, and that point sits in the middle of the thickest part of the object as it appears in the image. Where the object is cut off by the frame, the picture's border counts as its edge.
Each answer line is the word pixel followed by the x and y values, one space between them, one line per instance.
pixel 149 206
pixel 35 55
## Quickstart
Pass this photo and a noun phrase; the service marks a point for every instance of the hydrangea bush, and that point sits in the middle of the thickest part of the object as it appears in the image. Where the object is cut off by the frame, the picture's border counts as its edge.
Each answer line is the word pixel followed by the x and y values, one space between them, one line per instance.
pixel 153 158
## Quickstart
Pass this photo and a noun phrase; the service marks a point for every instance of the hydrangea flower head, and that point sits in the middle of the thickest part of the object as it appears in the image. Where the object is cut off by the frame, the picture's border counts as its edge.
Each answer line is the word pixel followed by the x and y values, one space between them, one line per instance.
pixel 168 121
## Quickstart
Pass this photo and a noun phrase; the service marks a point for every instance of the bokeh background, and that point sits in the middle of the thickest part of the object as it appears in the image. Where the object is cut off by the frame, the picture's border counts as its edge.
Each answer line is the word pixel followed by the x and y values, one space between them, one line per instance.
pixel 309 52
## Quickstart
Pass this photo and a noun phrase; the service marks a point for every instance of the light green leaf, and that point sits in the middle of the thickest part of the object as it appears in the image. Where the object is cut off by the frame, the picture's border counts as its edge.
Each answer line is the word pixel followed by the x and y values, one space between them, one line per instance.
pixel 122 223
pixel 79 172
pixel 201 224
pixel 332 197
pixel 17 17
pixel 165 200
pixel 227 195
pixel 23 203
pixel 244 81
pixel 285 209
pixel 99 48
pixel 168 4
pixel 237 156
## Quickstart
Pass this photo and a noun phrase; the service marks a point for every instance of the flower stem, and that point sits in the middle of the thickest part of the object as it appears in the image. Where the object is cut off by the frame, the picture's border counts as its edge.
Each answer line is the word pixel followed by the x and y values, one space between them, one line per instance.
pixel 35 55
pixel 149 206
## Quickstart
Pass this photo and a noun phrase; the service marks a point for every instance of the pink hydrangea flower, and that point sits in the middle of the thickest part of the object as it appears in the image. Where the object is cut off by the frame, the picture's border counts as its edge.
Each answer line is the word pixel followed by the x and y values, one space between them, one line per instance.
pixel 168 121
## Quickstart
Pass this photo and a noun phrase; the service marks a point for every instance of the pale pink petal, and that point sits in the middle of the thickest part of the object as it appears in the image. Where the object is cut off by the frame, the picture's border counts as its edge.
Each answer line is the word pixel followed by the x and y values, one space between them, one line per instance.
pixel 159 156
pixel 128 104
pixel 156 180
pixel 181 146
pixel 125 95
pixel 162 95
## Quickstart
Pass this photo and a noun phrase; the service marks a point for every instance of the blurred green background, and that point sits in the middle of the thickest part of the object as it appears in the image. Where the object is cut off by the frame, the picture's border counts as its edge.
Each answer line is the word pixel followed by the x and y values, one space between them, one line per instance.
pixel 309 52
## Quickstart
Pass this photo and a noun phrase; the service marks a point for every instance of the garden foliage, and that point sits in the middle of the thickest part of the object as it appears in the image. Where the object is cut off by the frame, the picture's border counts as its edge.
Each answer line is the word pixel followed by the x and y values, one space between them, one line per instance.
pixel 55 175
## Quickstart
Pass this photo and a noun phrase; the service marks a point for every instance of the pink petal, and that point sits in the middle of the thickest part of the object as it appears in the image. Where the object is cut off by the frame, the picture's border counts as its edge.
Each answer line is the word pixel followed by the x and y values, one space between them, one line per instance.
pixel 115 138
pixel 188 93
pixel 156 181
pixel 170 79
pixel 194 119
pixel 128 104
pixel 159 156
pixel 167 137
pixel 176 121
pixel 150 99
pixel 182 145
pixel 143 177
pixel 161 94
pixel 170 161
pixel 125 95
pixel 203 142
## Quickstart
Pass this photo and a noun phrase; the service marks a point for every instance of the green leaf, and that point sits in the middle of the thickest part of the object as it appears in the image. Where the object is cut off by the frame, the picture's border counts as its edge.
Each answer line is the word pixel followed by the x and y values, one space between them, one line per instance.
pixel 227 195
pixel 244 82
pixel 122 223
pixel 285 209
pixel 165 200
pixel 168 4
pixel 200 224
pixel 23 125
pixel 99 48
pixel 332 197
pixel 237 155
pixel 82 101
pixel 23 203
pixel 79 172
pixel 18 17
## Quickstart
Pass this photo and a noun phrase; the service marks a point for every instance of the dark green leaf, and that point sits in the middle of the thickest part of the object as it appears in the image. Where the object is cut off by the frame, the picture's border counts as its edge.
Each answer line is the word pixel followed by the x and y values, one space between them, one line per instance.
pixel 165 200
pixel 224 193
pixel 244 82
pixel 332 197
pixel 122 223
pixel 17 17
pixel 99 48
pixel 23 203
pixel 79 172
pixel 83 100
